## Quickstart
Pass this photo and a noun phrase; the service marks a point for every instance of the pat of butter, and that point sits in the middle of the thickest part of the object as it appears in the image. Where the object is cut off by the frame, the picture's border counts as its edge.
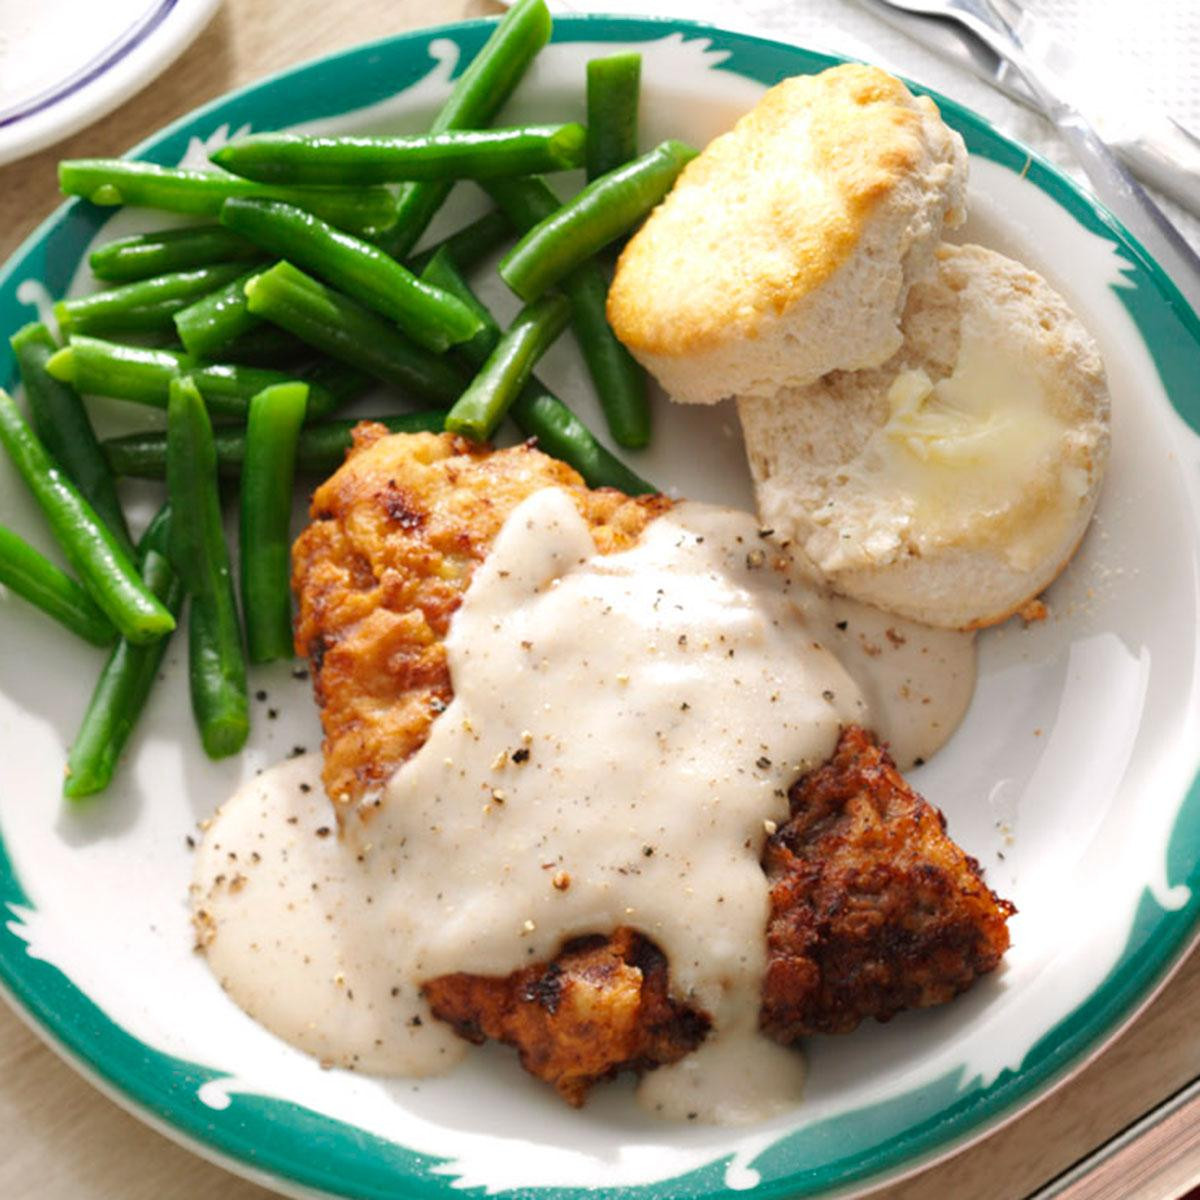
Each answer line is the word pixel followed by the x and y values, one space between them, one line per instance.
pixel 979 456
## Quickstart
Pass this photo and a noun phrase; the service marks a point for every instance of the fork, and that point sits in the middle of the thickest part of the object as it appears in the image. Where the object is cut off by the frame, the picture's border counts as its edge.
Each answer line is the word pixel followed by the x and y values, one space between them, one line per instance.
pixel 1113 184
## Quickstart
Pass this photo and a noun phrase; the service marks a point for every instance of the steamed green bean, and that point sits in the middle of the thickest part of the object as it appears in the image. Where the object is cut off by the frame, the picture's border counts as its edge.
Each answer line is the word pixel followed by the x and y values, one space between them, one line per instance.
pixel 288 158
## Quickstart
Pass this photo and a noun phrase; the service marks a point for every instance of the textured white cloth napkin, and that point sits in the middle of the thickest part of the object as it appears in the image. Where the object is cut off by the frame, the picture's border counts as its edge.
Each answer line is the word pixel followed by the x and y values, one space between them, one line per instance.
pixel 1149 51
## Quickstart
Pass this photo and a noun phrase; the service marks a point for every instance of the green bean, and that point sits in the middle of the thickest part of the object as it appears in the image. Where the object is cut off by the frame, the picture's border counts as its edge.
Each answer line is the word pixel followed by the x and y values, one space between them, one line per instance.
pixel 109 181
pixel 266 346
pixel 613 86
pixel 428 315
pixel 143 376
pixel 560 433
pixel 477 95
pixel 343 329
pixel 216 664
pixel 508 368
pixel 469 245
pixel 35 578
pixel 103 567
pixel 537 411
pixel 148 254
pixel 320 448
pixel 266 512
pixel 619 381
pixel 215 321
pixel 124 684
pixel 61 421
pixel 333 385
pixel 290 158
pixel 601 213
pixel 157 535
pixel 144 306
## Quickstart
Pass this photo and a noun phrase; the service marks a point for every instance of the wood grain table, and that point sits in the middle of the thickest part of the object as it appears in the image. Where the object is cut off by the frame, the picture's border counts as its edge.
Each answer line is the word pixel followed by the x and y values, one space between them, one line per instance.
pixel 62 1140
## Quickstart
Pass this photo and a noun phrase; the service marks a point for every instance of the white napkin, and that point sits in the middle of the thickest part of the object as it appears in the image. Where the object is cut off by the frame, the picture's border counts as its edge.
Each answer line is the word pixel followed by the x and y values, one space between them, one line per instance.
pixel 1150 50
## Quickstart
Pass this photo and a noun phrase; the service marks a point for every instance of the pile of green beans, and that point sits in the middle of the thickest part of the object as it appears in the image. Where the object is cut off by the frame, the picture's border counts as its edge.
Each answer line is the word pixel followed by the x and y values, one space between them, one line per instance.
pixel 296 294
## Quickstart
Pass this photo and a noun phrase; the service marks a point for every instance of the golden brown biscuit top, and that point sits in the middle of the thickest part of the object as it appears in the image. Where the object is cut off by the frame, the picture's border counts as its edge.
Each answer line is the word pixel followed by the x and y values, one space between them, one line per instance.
pixel 768 211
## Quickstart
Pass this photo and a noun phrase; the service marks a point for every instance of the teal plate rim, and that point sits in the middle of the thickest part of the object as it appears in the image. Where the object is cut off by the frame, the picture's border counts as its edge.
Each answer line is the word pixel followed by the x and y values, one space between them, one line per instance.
pixel 272 1140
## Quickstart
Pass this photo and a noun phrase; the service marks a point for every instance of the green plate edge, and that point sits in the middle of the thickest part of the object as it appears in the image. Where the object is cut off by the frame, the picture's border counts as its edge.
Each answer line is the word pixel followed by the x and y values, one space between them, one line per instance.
pixel 300 1147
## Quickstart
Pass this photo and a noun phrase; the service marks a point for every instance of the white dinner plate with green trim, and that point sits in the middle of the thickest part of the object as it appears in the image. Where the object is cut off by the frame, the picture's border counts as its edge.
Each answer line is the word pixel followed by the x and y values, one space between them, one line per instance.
pixel 1073 779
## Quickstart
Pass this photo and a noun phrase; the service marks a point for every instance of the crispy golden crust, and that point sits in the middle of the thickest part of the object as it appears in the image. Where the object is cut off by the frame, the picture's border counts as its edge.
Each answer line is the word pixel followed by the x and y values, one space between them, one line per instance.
pixel 396 535
pixel 873 908
pixel 601 1006
pixel 769 211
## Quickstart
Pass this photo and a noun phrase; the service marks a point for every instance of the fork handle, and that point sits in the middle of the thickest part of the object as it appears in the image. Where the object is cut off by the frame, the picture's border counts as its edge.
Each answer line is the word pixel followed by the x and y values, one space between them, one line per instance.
pixel 1113 184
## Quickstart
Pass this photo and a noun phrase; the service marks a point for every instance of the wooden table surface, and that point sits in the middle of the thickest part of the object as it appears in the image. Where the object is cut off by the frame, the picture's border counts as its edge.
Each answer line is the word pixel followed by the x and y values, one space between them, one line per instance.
pixel 62 1140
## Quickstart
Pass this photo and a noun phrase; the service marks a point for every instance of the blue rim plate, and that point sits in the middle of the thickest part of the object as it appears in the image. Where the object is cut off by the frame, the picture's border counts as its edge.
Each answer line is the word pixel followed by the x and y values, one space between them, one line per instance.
pixel 857 1132
pixel 110 73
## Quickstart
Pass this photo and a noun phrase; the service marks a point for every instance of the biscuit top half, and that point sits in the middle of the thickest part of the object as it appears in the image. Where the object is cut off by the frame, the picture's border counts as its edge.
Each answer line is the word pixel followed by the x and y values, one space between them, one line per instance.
pixel 769 211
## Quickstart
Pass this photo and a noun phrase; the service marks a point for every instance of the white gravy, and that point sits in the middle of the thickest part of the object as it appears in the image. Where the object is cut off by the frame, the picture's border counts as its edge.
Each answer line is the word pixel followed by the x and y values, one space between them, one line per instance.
pixel 667 696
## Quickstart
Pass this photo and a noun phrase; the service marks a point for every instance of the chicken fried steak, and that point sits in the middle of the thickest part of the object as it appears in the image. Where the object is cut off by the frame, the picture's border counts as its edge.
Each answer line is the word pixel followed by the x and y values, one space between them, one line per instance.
pixel 601 1005
pixel 873 908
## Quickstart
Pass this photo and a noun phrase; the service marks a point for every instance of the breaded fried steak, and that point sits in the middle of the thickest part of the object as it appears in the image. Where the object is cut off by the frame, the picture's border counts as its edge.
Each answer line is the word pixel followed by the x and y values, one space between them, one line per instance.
pixel 396 535
pixel 873 910
pixel 872 907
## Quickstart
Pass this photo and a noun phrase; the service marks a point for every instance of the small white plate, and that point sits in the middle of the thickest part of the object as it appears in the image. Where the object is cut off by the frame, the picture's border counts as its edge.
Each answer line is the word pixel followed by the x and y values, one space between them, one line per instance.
pixel 68 63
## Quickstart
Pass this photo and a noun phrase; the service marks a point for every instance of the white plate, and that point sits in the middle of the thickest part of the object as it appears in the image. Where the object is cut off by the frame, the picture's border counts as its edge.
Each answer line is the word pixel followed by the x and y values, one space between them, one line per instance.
pixel 1074 778
pixel 67 63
